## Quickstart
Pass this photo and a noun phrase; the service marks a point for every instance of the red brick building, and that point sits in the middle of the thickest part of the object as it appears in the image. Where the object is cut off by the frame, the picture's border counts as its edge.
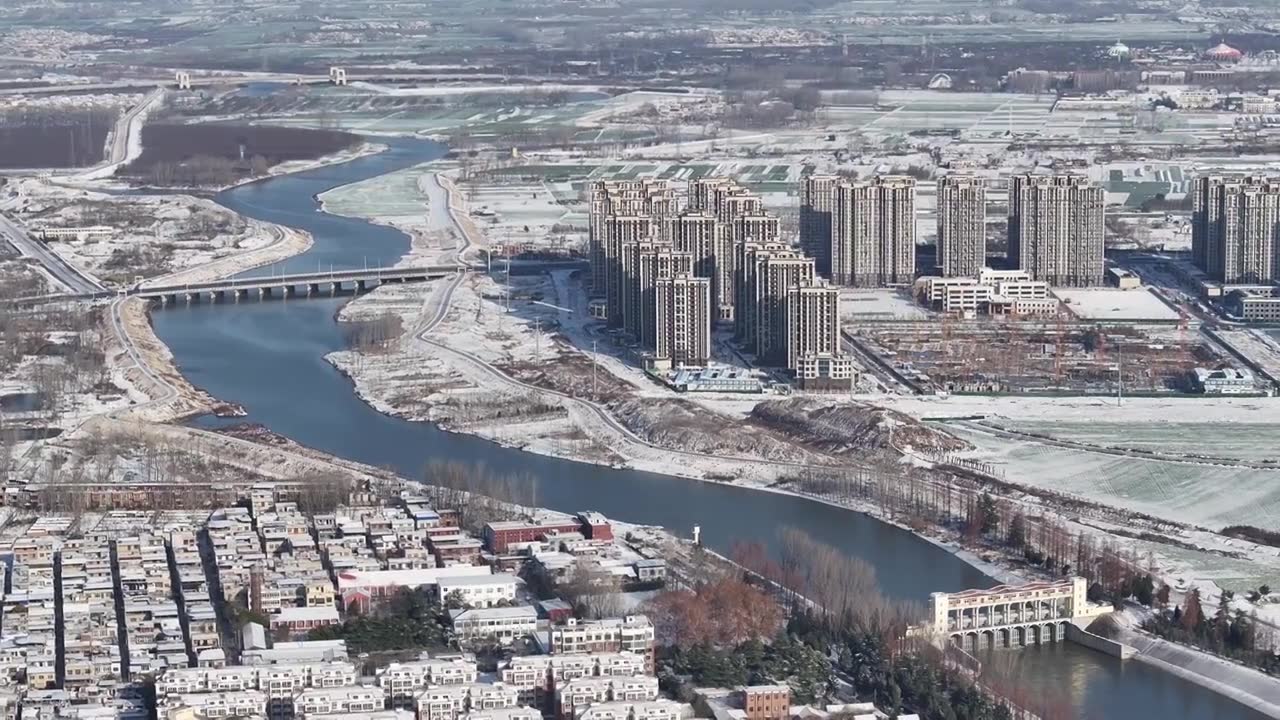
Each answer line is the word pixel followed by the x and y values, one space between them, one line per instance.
pixel 500 536
pixel 595 526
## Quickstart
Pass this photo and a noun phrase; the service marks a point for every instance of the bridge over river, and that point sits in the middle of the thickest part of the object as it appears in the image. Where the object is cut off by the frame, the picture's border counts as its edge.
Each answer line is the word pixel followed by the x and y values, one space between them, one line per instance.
pixel 307 284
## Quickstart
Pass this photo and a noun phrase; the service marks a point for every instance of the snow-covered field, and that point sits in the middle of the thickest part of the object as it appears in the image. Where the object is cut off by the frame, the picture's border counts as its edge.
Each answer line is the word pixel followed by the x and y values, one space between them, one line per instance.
pixel 1197 493
pixel 1240 441
pixel 1247 410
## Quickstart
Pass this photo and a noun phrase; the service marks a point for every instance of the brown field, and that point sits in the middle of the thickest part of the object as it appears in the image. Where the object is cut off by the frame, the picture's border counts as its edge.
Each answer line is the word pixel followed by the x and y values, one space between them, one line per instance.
pixel 53 140
pixel 1019 357
pixel 219 154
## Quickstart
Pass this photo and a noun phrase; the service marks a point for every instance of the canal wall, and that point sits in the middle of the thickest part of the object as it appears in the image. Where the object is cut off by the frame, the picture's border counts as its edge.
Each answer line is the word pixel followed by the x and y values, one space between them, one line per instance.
pixel 1246 686
pixel 1103 645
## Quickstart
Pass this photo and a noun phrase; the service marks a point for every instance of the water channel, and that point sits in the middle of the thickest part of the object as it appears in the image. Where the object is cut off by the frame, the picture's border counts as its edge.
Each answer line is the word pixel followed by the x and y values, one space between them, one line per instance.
pixel 268 357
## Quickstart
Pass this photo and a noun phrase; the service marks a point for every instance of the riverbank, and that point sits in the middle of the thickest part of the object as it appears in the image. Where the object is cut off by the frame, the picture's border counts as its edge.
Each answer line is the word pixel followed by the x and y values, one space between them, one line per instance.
pixel 143 365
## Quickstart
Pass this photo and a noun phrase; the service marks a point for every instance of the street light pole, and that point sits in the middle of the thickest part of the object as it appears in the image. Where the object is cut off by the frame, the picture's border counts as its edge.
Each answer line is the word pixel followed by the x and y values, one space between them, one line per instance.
pixel 595 362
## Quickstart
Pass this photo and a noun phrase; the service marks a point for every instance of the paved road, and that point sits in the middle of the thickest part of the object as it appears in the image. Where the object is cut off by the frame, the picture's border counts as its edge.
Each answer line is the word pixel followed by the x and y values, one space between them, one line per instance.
pixel 117 150
pixel 76 281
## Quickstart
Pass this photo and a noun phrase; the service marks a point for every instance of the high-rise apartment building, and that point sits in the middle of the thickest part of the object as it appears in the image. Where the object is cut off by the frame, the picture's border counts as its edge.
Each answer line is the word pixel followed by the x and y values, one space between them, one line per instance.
pixel 667 274
pixel 873 232
pixel 644 264
pixel 772 270
pixel 747 258
pixel 812 322
pixel 962 225
pixel 623 211
pixel 1056 229
pixel 694 232
pixel 814 355
pixel 727 201
pixel 683 321
pixel 1206 223
pixel 1235 224
pixel 817 197
pixel 621 231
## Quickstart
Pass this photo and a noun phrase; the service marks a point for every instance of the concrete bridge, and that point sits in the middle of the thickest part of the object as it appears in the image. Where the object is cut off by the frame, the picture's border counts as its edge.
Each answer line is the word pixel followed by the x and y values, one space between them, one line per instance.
pixel 1012 615
pixel 298 284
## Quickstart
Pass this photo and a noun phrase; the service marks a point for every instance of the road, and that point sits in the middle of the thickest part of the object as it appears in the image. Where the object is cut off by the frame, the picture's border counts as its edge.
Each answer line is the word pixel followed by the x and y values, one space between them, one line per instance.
pixel 126 135
pixel 118 151
pixel 76 281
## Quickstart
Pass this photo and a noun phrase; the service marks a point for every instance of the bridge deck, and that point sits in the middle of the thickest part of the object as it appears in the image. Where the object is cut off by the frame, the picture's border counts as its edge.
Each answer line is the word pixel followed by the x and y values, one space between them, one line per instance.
pixel 321 278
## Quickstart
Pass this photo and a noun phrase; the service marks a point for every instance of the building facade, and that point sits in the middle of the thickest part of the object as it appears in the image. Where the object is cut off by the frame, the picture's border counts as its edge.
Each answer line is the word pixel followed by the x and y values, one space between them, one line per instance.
pixel 873 232
pixel 1056 229
pixel 633 633
pixel 817 197
pixel 962 225
pixel 1235 222
pixel 683 321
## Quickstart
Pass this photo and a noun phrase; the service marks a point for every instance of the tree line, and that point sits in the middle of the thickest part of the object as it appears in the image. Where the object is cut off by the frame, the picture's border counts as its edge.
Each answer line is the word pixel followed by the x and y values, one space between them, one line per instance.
pixel 1235 635
pixel 838 631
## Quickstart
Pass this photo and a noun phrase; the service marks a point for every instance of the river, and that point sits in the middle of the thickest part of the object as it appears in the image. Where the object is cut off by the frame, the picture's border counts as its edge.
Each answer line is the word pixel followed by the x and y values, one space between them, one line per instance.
pixel 268 357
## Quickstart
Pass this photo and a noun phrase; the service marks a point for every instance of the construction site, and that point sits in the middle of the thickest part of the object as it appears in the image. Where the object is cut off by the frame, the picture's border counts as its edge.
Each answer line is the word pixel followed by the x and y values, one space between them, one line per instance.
pixel 1051 355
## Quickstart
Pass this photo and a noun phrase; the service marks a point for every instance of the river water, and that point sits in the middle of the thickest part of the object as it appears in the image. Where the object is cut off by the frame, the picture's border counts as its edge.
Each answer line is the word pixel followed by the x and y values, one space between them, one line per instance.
pixel 268 357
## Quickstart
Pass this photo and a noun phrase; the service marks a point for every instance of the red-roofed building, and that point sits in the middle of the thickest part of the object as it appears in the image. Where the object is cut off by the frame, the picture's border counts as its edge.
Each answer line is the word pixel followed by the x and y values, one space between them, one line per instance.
pixel 1223 53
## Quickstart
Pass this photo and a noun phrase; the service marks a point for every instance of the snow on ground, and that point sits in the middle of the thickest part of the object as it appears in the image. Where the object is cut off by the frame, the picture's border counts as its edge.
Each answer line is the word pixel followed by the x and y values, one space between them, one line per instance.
pixel 1249 687
pixel 1240 441
pixel 410 200
pixel 155 235
pixel 1138 305
pixel 1260 346
pixel 517 212
pixel 876 305
pixel 1197 493
pixel 1247 410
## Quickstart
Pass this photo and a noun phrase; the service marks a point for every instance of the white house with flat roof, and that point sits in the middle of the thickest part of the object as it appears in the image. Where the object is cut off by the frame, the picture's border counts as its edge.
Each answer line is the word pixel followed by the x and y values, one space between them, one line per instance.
pixel 501 624
pixel 479 591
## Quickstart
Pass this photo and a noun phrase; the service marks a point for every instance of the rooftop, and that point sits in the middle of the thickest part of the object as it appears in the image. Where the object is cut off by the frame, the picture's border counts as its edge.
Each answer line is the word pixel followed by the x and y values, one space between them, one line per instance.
pixel 304 614
pixel 521 612
pixel 405 578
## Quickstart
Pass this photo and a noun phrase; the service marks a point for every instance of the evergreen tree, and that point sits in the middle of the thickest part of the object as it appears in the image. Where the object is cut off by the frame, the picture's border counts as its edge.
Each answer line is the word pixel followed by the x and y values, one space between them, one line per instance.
pixel 1017 537
pixel 1222 619
pixel 1144 590
pixel 987 511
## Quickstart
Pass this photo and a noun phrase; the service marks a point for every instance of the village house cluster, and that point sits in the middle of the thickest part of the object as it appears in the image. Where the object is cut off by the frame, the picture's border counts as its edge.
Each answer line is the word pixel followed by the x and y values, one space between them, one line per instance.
pixel 217 609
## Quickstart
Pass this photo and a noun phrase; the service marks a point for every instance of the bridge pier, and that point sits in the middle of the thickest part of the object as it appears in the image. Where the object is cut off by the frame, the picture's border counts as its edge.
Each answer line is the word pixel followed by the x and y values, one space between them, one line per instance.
pixel 360 281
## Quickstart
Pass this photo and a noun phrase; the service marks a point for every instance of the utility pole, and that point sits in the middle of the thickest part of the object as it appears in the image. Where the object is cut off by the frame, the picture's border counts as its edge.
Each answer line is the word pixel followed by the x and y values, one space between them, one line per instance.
pixel 537 339
pixel 1120 376
pixel 594 364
